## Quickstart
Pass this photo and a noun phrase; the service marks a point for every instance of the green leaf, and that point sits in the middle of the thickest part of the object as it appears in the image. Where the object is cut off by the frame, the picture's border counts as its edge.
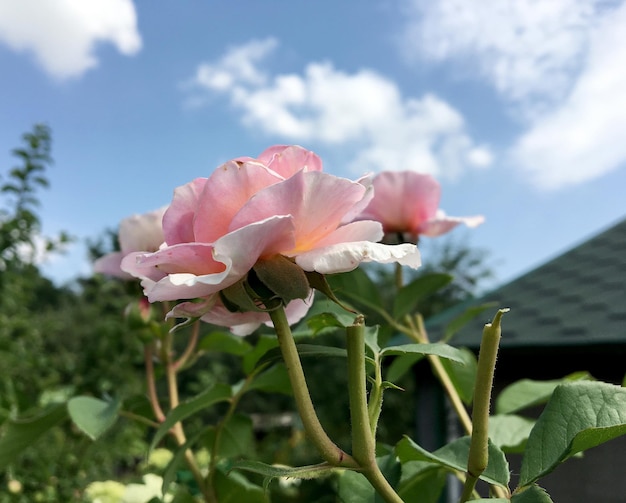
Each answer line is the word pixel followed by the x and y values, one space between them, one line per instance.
pixel 22 433
pixel 528 393
pixel 354 487
pixel 323 320
pixel 464 318
pixel 172 468
pixel 371 339
pixel 491 500
pixel 92 415
pixel 218 393
pixel 225 342
pixel 323 306
pixel 273 380
pixel 422 481
pixel 305 351
pixel 236 438
pixel 356 285
pixel 235 488
pixel 442 350
pixel 182 496
pixel 579 416
pixel 533 494
pixel 454 456
pixel 409 296
pixel 463 375
pixel 401 365
pixel 263 345
pixel 510 432
pixel 276 471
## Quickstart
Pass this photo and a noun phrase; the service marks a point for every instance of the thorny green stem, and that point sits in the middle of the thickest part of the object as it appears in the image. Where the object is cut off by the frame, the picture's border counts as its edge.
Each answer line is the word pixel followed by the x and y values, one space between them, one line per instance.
pixel 420 335
pixel 478 453
pixel 363 439
pixel 326 447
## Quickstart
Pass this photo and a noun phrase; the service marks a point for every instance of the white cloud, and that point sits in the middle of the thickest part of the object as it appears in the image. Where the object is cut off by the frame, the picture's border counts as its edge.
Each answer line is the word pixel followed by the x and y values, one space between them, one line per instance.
pixel 525 48
pixel 561 64
pixel 236 66
pixel 583 138
pixel 363 111
pixel 63 34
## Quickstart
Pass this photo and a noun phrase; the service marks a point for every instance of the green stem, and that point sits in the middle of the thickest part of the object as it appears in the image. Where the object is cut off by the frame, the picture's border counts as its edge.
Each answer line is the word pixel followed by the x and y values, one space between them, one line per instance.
pixel 478 453
pixel 376 397
pixel 148 351
pixel 419 334
pixel 363 439
pixel 138 418
pixel 363 445
pixel 399 279
pixel 191 346
pixel 312 426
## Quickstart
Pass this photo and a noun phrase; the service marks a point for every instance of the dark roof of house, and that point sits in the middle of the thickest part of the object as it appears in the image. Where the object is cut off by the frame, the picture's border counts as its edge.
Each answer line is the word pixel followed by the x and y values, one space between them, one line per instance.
pixel 576 299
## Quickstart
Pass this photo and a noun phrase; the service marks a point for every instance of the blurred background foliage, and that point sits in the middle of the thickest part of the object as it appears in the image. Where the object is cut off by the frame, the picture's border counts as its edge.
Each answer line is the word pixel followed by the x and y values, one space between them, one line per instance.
pixel 61 341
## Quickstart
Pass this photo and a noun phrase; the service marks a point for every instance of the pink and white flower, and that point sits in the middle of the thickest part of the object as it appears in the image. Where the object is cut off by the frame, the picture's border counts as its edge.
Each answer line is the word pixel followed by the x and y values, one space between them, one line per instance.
pixel 216 229
pixel 136 233
pixel 407 203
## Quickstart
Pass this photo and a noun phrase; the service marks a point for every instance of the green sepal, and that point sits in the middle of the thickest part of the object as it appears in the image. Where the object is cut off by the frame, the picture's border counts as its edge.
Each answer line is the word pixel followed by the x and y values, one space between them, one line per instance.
pixel 318 282
pixel 237 298
pixel 283 278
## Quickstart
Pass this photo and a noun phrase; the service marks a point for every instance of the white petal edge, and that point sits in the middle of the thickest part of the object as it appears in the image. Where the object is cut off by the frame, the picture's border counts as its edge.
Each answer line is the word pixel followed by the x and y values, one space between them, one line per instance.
pixel 347 256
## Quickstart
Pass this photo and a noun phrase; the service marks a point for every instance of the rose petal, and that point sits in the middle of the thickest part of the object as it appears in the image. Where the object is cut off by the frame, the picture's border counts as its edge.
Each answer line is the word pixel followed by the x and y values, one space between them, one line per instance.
pixel 288 160
pixel 225 192
pixel 216 266
pixel 363 230
pixel 347 256
pixel 403 200
pixel 316 201
pixel 248 322
pixel 193 258
pixel 359 207
pixel 443 224
pixel 178 219
pixel 142 232
pixel 110 264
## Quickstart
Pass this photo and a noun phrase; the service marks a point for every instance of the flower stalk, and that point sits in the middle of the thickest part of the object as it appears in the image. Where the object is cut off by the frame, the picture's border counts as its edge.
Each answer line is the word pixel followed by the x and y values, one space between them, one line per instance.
pixel 363 438
pixel 331 453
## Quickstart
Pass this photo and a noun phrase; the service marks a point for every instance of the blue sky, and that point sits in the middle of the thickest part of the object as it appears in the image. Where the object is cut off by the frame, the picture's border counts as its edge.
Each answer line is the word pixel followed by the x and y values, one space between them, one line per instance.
pixel 518 107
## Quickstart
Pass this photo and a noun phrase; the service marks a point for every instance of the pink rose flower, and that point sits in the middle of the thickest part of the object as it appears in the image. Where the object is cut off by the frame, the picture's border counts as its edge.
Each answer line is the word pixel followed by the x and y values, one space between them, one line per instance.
pixel 407 203
pixel 136 233
pixel 281 203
